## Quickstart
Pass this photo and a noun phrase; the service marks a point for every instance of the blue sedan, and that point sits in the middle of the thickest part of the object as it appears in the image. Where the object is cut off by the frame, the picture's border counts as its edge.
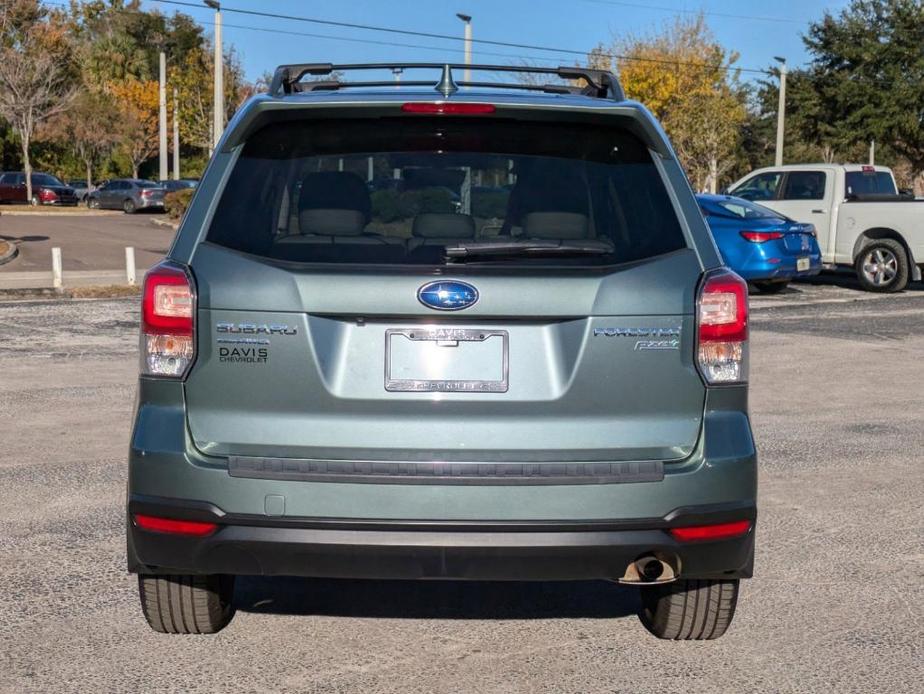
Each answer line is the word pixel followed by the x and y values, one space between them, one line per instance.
pixel 763 246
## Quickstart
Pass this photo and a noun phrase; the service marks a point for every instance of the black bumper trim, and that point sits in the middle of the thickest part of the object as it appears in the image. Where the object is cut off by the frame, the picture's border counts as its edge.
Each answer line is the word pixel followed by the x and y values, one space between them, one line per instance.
pixel 393 472
pixel 387 549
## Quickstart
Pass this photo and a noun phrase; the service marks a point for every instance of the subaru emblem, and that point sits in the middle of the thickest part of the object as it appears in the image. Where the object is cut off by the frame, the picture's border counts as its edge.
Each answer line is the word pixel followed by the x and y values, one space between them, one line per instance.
pixel 447 295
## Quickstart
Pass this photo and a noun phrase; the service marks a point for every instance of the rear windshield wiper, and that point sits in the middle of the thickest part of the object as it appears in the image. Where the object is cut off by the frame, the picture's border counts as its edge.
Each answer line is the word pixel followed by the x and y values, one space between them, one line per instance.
pixel 460 252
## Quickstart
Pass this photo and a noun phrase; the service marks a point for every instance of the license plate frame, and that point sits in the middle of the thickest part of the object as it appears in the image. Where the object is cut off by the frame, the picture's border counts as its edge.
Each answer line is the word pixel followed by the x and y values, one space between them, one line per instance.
pixel 803 264
pixel 447 336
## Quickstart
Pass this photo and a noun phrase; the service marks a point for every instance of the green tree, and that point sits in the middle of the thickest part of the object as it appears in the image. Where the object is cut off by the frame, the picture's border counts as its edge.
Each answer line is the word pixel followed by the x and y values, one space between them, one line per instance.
pixel 867 78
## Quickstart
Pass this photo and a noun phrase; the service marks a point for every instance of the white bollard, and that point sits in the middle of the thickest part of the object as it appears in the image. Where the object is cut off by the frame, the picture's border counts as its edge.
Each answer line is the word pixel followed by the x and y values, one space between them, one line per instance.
pixel 130 265
pixel 57 276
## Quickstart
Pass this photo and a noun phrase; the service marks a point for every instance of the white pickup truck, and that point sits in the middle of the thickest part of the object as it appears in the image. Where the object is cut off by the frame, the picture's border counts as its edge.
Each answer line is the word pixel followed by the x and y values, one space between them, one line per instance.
pixel 861 219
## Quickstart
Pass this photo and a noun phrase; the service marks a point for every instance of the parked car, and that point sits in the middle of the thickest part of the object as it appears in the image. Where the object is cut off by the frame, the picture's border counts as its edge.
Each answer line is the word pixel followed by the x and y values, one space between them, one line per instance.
pixel 172 185
pixel 861 218
pixel 763 246
pixel 46 189
pixel 81 188
pixel 325 391
pixel 128 194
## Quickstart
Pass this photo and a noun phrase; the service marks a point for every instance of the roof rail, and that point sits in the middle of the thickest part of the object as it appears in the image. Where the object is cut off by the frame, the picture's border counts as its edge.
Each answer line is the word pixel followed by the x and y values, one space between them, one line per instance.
pixel 600 84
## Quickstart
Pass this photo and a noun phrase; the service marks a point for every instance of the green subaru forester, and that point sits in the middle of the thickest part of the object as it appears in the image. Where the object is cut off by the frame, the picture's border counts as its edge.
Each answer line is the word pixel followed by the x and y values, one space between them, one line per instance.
pixel 443 330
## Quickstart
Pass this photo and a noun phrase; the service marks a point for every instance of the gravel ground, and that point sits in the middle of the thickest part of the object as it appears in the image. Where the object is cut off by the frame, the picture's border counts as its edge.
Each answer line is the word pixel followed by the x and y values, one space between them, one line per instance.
pixel 836 604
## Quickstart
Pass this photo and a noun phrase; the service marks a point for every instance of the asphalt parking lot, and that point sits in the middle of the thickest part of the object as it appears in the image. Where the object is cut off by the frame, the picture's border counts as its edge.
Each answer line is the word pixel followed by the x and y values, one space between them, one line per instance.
pixel 836 604
pixel 94 241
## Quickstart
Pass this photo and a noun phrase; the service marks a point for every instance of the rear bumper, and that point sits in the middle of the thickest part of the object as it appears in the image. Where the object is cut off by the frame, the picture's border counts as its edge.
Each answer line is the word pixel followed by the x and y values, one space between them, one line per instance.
pixel 785 269
pixel 432 550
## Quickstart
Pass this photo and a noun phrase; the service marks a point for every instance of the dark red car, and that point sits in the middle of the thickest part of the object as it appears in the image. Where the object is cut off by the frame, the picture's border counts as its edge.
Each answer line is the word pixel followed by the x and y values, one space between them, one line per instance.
pixel 46 189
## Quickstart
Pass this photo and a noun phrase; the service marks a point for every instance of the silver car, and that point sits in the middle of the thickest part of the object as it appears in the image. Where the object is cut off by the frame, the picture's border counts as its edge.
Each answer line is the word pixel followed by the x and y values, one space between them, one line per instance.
pixel 128 194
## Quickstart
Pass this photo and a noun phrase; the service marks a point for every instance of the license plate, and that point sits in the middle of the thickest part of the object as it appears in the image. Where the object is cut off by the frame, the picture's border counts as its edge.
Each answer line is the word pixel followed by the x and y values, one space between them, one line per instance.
pixel 446 360
pixel 803 264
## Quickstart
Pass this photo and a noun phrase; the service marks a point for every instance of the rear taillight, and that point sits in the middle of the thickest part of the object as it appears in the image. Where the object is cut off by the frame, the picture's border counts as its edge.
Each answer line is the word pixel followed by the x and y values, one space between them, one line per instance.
pixel 443 108
pixel 704 533
pixel 146 192
pixel 722 324
pixel 761 236
pixel 167 333
pixel 45 194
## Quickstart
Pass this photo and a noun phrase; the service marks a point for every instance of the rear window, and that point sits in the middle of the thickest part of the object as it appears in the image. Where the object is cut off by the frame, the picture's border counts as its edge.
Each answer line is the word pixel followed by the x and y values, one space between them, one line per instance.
pixel 147 184
pixel 739 209
pixel 45 180
pixel 870 183
pixel 400 191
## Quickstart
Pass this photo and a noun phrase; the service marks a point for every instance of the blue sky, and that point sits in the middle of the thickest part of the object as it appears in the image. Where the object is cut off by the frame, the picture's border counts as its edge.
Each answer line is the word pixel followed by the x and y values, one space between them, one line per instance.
pixel 757 31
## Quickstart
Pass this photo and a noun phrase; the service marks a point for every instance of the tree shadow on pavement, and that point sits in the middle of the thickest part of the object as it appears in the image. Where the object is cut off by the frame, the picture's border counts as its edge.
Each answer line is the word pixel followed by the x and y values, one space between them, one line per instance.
pixel 25 239
pixel 435 599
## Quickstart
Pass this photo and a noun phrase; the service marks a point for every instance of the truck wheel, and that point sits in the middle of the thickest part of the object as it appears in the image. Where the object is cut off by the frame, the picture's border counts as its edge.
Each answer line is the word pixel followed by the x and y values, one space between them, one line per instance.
pixel 770 287
pixel 882 266
pixel 186 604
pixel 689 610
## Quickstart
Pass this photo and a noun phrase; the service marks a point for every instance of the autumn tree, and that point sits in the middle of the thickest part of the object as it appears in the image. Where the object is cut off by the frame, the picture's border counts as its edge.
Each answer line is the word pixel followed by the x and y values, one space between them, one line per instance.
pixel 687 79
pixel 193 79
pixel 36 73
pixel 136 130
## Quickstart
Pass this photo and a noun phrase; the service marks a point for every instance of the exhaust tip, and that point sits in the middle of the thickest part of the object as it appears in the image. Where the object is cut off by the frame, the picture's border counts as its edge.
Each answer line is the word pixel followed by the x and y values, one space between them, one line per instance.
pixel 651 569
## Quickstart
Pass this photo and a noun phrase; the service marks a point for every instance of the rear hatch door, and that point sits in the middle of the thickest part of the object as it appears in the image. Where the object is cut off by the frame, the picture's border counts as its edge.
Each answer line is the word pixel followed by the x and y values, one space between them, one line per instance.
pixel 332 325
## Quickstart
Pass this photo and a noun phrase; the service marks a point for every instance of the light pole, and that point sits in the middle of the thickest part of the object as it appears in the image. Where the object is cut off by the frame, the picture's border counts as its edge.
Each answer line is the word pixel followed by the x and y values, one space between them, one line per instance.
pixel 218 103
pixel 467 76
pixel 162 117
pixel 781 111
pixel 176 136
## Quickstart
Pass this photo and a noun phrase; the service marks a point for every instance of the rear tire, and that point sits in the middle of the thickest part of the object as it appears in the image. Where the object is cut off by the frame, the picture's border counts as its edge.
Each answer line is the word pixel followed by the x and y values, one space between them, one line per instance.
pixel 771 287
pixel 129 206
pixel 35 201
pixel 883 266
pixel 689 610
pixel 92 204
pixel 191 604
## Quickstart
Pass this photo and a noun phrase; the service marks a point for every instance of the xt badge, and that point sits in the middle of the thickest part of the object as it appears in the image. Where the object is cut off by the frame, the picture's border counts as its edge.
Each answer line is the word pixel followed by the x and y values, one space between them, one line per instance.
pixel 656 338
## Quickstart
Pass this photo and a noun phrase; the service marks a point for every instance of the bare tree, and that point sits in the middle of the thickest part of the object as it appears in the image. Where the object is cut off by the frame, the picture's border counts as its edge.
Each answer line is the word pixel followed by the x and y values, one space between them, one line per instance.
pixel 35 73
pixel 89 126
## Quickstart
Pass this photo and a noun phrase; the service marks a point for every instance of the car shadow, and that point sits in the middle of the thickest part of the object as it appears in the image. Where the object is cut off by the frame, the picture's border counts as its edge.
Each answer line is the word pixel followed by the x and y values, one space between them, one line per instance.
pixel 435 599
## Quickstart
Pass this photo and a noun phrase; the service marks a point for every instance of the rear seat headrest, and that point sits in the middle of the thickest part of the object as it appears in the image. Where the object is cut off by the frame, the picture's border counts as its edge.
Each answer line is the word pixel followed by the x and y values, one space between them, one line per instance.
pixel 432 225
pixel 556 225
pixel 335 190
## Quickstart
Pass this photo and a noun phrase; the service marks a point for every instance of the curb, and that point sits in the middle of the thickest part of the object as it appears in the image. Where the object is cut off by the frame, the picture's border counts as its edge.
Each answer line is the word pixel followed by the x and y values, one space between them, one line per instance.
pixel 165 223
pixel 49 213
pixel 10 253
